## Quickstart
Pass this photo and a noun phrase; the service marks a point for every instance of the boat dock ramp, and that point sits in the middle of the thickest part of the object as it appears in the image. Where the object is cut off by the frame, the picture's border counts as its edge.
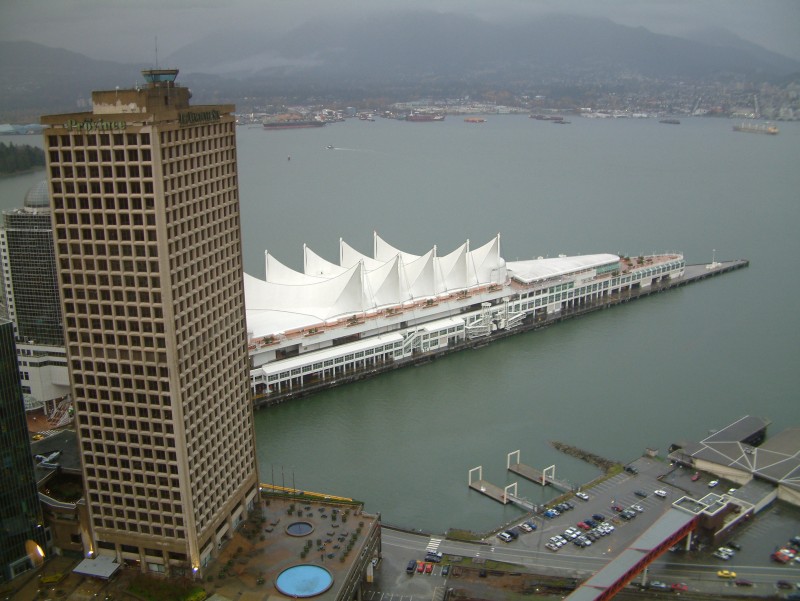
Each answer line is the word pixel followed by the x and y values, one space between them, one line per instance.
pixel 501 495
pixel 509 493
pixel 548 476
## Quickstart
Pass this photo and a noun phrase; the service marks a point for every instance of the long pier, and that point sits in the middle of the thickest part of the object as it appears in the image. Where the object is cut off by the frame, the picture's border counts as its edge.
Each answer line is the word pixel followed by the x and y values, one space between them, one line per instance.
pixel 692 273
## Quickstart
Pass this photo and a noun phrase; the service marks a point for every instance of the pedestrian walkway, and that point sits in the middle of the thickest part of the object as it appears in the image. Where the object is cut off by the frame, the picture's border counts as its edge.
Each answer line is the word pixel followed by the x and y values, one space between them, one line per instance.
pixel 433 545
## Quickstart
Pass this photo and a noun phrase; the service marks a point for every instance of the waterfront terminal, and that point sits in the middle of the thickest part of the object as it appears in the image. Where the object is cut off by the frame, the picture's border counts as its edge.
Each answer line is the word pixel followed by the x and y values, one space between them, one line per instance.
pixel 334 323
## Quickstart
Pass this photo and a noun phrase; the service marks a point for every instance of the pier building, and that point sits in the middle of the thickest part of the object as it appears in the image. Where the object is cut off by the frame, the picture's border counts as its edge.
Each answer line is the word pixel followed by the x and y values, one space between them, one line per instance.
pixel 334 320
pixel 146 224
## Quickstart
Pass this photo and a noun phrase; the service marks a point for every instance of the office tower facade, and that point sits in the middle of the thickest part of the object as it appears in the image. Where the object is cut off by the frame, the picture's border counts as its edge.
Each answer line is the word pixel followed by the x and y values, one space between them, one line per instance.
pixel 147 234
pixel 22 535
pixel 30 286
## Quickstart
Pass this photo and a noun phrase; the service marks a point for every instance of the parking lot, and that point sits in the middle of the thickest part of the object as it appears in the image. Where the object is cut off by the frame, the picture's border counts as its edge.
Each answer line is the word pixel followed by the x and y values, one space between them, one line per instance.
pixel 538 551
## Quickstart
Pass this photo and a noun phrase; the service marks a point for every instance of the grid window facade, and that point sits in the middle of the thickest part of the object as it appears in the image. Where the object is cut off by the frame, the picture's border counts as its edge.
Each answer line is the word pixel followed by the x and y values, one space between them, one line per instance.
pixel 148 246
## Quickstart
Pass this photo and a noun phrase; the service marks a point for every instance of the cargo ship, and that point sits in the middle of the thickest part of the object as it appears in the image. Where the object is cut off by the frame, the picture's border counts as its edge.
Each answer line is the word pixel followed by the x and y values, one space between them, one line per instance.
pixel 291 121
pixel 757 128
pixel 421 117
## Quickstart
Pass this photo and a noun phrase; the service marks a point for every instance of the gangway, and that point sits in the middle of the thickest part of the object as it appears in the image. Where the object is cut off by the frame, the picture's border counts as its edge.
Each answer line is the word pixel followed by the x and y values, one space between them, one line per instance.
pixel 545 477
pixel 501 495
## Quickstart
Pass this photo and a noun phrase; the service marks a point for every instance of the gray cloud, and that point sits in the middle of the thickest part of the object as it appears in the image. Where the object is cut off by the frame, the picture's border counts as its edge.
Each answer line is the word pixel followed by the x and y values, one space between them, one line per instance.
pixel 127 31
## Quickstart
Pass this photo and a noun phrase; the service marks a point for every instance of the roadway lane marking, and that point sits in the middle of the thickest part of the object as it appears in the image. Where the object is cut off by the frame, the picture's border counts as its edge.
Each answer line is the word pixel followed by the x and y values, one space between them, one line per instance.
pixel 433 545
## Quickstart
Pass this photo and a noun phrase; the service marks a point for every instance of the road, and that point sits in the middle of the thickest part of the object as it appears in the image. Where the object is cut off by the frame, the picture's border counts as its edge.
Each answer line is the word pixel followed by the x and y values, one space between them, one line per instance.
pixel 697 570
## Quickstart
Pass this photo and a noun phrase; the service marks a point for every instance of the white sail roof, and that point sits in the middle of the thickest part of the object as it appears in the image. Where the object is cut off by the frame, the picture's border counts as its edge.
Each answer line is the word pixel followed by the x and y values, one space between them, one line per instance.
pixel 315 265
pixel 486 263
pixel 278 273
pixel 288 299
pixel 384 251
pixel 348 256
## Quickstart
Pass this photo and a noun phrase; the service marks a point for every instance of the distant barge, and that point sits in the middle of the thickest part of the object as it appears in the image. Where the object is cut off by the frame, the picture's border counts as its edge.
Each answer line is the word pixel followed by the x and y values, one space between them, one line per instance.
pixel 757 128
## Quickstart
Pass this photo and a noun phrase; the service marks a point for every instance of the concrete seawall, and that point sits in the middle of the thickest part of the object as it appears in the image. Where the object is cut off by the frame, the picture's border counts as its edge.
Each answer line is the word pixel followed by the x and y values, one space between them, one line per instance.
pixel 692 274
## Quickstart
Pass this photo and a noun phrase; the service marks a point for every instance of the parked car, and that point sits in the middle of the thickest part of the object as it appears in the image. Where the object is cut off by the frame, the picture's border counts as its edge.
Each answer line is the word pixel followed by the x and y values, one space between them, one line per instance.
pixel 660 493
pixel 505 537
pixel 631 470
pixel 428 568
pixel 411 567
pixel 599 517
pixel 524 526
pixel 445 570
pixel 734 545
pixel 420 566
pixel 531 525
pixel 696 477
pixel 637 508
pixel 582 495
pixel 640 493
pixel 434 556
pixel 713 483
pixel 616 508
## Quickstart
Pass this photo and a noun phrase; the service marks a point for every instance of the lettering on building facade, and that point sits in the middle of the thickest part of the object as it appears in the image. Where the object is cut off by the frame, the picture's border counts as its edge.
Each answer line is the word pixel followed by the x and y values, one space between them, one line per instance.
pixel 95 125
pixel 198 117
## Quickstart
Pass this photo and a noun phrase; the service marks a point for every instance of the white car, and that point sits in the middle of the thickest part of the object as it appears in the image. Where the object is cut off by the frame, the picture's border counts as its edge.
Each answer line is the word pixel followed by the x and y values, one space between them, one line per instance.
pixel 637 508
pixel 525 527
pixel 582 495
pixel 713 483
pixel 660 493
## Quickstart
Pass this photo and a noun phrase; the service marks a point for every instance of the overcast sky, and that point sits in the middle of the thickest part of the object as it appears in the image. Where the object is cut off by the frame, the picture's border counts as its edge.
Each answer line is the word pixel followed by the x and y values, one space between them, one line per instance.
pixel 127 30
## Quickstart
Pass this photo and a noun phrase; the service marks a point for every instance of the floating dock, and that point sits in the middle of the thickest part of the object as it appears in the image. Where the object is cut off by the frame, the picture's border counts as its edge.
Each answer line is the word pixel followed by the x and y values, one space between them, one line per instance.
pixel 533 475
pixel 490 490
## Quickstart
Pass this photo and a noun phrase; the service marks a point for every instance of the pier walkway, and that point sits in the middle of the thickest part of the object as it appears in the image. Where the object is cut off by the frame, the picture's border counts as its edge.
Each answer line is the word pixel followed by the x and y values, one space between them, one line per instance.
pixel 501 495
pixel 533 475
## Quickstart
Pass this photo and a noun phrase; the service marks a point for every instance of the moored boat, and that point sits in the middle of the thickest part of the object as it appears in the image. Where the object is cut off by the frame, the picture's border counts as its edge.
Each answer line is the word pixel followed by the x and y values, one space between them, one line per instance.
pixel 757 128
pixel 291 121
pixel 422 117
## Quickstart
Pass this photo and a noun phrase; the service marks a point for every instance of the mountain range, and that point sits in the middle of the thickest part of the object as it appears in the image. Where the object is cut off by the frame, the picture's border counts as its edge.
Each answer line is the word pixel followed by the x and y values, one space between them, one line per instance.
pixel 426 52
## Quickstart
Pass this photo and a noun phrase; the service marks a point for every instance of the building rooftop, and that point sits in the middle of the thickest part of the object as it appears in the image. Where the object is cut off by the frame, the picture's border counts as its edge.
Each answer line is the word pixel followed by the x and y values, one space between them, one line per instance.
pixel 776 459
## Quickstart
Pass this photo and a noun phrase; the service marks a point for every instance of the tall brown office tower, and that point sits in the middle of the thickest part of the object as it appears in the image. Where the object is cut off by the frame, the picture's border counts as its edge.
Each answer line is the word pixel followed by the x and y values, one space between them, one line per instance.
pixel 148 248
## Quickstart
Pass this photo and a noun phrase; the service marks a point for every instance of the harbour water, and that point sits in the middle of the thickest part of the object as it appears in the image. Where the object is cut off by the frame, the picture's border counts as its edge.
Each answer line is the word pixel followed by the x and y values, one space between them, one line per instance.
pixel 667 368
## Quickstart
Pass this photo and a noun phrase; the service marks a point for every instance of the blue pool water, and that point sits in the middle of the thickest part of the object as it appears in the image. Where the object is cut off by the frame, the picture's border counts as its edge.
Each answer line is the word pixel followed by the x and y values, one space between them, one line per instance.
pixel 304 581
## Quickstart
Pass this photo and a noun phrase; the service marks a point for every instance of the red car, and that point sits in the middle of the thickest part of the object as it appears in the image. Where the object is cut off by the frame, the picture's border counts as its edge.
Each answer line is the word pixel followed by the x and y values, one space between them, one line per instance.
pixel 616 508
pixel 584 526
pixel 420 567
pixel 696 477
pixel 428 568
pixel 679 586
